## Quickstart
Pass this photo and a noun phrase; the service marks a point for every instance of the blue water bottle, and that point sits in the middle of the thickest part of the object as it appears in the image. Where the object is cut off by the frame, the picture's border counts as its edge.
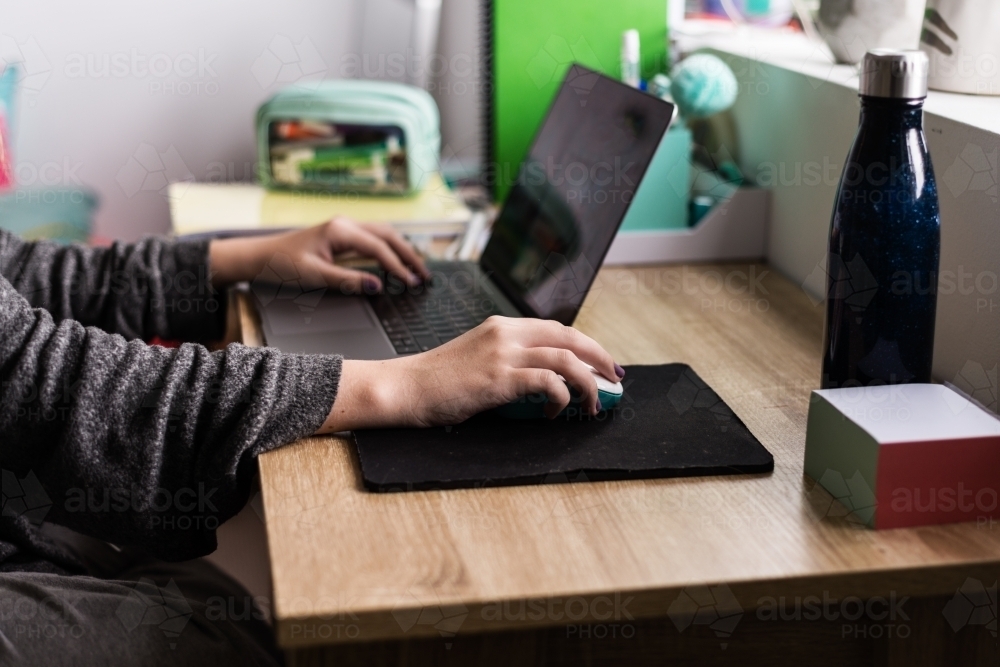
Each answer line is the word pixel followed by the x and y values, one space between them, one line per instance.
pixel 885 236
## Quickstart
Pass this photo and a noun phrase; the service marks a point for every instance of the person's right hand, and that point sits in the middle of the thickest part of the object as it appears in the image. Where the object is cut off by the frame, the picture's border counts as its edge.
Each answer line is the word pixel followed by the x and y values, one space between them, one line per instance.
pixel 498 362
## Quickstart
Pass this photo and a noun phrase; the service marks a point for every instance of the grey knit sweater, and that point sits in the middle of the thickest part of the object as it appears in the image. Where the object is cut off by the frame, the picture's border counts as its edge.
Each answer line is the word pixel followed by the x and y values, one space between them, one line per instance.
pixel 132 443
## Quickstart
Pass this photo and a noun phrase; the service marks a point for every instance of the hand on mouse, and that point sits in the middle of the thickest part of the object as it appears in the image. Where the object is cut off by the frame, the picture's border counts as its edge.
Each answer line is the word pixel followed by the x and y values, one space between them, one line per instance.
pixel 312 252
pixel 497 362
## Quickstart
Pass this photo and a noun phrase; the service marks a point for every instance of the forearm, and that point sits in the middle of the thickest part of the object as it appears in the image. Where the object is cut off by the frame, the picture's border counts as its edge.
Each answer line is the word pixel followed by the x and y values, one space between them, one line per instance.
pixel 237 259
pixel 372 394
pixel 151 288
pixel 126 438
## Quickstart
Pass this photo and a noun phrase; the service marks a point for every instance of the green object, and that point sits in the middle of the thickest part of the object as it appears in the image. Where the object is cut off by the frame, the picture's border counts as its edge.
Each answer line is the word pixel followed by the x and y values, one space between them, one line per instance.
pixel 59 215
pixel 376 106
pixel 661 202
pixel 842 457
pixel 534 43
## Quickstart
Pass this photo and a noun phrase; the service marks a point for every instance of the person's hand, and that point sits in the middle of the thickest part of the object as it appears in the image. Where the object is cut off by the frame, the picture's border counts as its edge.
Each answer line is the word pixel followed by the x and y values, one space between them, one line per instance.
pixel 313 253
pixel 498 362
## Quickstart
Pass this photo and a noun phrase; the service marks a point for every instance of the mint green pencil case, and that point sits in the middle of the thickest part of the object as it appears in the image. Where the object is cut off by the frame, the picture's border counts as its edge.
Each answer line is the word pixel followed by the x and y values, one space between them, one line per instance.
pixel 349 136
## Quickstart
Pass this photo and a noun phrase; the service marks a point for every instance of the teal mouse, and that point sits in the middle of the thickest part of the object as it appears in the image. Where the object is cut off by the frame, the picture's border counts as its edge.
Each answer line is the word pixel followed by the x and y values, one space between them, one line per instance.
pixel 533 405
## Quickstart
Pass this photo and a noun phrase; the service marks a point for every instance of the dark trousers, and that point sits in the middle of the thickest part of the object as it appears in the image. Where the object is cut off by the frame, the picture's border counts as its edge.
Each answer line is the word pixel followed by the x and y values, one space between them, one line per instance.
pixel 130 609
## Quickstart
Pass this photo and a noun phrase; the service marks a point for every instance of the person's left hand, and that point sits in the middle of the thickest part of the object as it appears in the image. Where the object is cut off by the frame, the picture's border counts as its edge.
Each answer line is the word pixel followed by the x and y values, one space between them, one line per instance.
pixel 313 252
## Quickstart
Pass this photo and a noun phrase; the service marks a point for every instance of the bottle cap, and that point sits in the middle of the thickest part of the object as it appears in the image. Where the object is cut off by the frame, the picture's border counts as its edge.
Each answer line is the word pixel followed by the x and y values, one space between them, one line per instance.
pixel 894 73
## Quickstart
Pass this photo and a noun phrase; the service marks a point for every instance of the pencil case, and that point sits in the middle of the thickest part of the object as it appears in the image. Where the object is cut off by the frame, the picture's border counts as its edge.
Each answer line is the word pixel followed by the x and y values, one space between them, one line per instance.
pixel 368 137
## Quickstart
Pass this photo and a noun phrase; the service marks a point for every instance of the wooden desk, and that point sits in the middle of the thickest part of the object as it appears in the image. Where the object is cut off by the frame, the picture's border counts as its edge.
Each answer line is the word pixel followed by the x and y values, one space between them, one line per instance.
pixel 551 562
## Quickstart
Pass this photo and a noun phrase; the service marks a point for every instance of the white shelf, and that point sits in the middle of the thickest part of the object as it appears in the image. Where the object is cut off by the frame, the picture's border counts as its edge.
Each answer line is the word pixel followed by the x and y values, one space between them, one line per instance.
pixel 796 52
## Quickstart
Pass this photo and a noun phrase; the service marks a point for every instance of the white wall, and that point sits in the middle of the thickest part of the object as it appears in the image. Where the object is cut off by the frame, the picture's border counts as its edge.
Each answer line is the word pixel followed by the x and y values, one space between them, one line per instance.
pixel 182 82
pixel 458 89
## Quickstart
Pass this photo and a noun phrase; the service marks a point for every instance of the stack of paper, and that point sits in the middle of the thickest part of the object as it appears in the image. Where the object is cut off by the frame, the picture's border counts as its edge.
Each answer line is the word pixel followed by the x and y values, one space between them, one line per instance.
pixel 225 208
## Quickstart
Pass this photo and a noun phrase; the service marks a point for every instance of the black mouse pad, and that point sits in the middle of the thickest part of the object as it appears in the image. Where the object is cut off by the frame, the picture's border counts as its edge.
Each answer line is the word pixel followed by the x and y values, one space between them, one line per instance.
pixel 669 424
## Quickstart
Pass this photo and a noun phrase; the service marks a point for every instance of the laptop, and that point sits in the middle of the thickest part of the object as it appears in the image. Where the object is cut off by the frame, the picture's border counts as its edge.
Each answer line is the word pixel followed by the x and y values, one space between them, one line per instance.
pixel 548 242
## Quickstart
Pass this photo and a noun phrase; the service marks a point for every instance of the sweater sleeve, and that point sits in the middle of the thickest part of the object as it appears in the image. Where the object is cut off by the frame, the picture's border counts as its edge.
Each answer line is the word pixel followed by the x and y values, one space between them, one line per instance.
pixel 151 288
pixel 138 444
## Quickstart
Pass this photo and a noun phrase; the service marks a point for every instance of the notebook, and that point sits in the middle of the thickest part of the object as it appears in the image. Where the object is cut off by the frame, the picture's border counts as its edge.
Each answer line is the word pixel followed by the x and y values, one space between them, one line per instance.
pixel 208 208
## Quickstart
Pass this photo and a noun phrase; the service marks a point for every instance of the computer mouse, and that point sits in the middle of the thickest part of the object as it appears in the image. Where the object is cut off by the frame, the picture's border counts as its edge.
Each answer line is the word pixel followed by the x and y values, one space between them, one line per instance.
pixel 533 405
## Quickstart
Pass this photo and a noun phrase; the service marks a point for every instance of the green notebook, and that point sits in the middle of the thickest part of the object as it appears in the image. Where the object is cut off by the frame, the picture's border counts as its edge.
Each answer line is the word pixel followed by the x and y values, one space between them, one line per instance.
pixel 533 43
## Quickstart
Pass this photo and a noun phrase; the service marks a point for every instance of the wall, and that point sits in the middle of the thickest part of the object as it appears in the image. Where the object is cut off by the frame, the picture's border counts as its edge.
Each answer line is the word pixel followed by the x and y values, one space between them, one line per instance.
pixel 122 96
pixel 457 87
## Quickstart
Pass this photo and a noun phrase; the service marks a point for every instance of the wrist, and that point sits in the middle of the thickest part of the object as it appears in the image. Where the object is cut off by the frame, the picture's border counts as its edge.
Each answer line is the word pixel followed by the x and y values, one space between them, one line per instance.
pixel 370 395
pixel 234 260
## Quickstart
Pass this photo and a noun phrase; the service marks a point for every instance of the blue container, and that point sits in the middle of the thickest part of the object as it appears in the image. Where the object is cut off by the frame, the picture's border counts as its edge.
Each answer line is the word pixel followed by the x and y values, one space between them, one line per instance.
pixel 885 236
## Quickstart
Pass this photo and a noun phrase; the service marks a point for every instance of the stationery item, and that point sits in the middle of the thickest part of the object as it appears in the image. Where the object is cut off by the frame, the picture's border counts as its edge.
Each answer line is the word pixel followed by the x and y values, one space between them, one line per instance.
pixel 348 135
pixel 630 58
pixel 209 208
pixel 905 455
pixel 6 159
pixel 885 235
pixel 8 85
pixel 962 40
pixel 669 423
pixel 759 12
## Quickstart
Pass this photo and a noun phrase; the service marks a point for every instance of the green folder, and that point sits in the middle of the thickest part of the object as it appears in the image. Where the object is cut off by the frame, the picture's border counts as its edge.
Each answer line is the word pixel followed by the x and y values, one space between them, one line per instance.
pixel 533 44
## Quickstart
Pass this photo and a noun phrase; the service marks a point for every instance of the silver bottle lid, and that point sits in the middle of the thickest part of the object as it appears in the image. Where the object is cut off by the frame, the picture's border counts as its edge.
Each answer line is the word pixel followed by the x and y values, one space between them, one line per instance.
pixel 894 73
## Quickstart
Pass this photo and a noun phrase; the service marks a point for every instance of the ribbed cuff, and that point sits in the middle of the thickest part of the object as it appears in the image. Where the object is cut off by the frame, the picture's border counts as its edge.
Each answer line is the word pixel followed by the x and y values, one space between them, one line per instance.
pixel 309 389
pixel 195 311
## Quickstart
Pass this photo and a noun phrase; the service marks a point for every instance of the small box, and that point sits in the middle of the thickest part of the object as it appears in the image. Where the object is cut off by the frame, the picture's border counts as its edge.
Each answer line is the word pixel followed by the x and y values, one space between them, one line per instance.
pixel 905 455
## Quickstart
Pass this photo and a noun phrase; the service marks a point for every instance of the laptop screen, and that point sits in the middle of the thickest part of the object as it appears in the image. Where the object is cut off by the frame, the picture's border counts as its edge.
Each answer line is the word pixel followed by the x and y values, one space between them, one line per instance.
pixel 572 193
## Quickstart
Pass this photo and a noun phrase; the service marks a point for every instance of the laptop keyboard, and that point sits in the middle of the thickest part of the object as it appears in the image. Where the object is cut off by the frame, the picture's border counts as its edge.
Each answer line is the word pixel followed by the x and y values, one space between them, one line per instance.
pixel 421 319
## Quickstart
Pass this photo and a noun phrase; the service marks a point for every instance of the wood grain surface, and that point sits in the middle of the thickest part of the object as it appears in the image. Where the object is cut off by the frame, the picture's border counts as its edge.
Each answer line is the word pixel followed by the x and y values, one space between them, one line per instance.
pixel 353 566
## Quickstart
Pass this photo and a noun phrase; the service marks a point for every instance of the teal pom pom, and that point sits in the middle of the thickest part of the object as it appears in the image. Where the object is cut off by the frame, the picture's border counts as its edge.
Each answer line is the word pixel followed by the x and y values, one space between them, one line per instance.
pixel 703 85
